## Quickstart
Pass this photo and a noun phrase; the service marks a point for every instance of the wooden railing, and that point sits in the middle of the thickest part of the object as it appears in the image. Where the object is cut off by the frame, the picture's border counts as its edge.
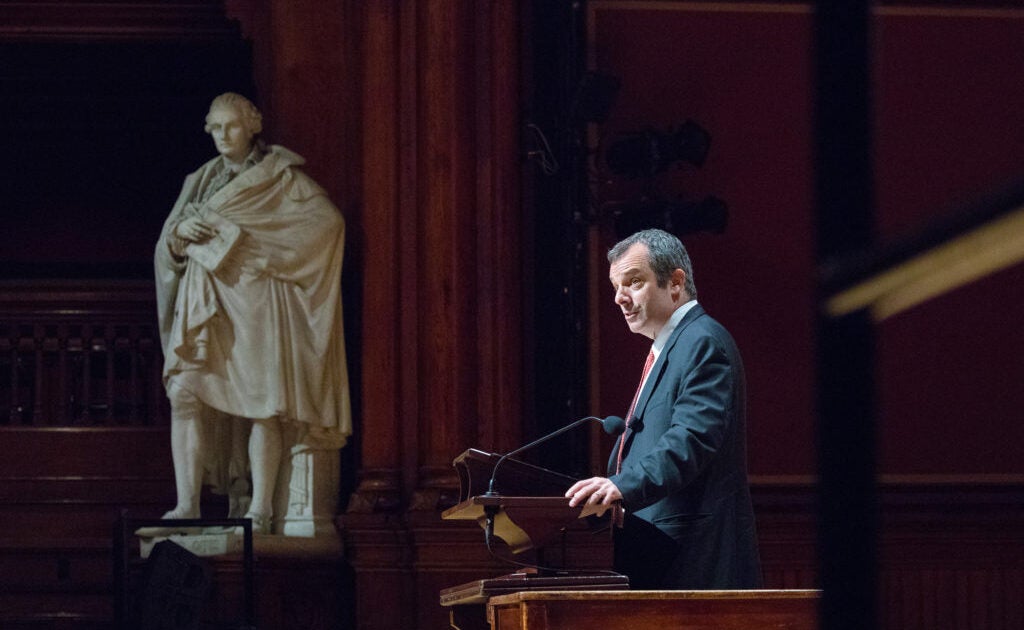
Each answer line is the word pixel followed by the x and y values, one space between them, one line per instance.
pixel 80 354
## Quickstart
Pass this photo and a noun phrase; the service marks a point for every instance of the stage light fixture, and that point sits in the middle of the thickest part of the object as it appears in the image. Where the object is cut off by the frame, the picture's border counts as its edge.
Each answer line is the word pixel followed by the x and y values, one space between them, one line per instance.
pixel 648 152
pixel 677 217
pixel 594 97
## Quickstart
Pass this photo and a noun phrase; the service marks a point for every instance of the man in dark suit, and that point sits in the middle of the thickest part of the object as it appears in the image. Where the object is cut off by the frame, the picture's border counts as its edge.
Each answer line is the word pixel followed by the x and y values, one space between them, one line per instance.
pixel 679 471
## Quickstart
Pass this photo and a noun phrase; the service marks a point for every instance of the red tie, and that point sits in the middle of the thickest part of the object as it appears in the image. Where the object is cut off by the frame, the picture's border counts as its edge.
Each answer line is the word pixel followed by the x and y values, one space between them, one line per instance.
pixel 632 407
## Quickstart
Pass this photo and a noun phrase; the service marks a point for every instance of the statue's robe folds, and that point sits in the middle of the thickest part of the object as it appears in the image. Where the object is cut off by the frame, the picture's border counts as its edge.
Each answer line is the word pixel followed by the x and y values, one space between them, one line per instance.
pixel 261 336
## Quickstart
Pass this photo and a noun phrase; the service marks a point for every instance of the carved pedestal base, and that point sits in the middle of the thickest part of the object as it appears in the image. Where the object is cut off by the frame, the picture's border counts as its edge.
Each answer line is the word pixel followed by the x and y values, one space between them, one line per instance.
pixel 200 543
pixel 307 492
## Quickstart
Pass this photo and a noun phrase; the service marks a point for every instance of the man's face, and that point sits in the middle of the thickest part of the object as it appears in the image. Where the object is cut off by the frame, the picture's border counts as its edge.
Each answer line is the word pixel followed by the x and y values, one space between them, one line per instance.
pixel 646 306
pixel 230 134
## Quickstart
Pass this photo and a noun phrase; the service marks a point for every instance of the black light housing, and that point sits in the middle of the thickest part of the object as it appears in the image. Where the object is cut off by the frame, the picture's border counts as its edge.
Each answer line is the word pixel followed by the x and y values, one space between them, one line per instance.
pixel 677 217
pixel 649 152
pixel 595 96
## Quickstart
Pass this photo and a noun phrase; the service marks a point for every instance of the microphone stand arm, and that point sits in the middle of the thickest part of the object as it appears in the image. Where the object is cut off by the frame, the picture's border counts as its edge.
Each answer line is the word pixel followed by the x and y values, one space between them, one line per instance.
pixel 494 473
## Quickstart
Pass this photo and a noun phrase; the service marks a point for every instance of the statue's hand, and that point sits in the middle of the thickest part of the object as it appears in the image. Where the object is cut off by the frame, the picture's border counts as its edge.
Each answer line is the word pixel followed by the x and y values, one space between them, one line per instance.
pixel 195 230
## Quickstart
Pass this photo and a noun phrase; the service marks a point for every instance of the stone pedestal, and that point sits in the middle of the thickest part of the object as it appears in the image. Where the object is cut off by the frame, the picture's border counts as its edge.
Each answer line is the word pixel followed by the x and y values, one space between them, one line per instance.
pixel 307 492
pixel 205 543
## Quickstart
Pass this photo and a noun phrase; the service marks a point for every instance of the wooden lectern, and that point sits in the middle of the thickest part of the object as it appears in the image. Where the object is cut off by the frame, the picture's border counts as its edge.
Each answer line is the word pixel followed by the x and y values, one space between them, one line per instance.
pixel 525 507
pixel 721 610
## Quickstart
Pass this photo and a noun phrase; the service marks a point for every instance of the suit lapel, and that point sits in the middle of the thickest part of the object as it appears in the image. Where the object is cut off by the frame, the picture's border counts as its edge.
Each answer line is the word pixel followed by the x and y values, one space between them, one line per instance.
pixel 658 369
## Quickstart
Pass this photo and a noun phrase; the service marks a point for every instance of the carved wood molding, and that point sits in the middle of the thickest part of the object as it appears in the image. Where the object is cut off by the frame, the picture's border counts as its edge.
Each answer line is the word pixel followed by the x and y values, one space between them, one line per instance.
pixel 378 492
pixel 26 301
pixel 95 20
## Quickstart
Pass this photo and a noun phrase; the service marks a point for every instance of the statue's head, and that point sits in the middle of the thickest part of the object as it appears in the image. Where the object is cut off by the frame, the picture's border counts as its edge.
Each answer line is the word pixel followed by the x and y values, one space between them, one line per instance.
pixel 248 112
pixel 234 122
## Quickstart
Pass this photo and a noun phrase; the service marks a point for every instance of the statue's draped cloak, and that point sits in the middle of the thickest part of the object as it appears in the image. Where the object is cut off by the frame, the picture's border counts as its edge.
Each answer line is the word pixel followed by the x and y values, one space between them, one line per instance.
pixel 262 336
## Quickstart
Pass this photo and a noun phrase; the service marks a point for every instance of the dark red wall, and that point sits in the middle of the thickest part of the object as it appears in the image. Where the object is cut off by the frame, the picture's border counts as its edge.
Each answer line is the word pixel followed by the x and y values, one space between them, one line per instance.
pixel 950 125
pixel 948 106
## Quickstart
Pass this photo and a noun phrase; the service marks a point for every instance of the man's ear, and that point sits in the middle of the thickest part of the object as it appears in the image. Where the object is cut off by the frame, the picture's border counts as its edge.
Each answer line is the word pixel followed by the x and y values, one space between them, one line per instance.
pixel 679 281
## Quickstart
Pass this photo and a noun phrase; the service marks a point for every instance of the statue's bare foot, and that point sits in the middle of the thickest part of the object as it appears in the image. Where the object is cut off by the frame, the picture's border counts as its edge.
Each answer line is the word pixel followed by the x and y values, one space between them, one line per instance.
pixel 261 523
pixel 161 530
pixel 180 512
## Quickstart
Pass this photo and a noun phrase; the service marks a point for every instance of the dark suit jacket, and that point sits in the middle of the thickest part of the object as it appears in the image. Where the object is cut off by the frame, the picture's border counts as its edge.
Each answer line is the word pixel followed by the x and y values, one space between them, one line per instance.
pixel 689 523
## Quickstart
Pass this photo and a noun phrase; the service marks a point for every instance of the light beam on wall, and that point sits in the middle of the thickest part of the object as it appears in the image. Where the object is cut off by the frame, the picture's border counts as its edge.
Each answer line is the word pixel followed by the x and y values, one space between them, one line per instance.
pixel 969 257
pixel 972 243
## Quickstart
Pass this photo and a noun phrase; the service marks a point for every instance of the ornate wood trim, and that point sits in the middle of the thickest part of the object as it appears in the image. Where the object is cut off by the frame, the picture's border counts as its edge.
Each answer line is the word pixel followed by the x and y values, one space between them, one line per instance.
pixel 98 20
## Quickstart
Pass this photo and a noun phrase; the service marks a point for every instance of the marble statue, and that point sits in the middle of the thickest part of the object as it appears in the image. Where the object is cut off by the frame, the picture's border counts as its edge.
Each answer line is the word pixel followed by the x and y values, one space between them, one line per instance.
pixel 248 282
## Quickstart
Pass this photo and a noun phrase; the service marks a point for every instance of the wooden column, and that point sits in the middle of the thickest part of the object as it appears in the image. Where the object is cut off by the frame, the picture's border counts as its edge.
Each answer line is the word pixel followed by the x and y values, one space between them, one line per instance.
pixel 441 282
pixel 441 290
pixel 377 542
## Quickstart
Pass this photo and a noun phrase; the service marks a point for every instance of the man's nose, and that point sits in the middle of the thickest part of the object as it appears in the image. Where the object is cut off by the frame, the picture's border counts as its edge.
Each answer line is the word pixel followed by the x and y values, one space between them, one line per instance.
pixel 621 297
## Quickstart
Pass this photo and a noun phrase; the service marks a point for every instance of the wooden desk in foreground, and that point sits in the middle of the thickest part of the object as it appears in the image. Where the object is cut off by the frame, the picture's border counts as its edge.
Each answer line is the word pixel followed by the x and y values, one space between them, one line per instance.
pixel 662 610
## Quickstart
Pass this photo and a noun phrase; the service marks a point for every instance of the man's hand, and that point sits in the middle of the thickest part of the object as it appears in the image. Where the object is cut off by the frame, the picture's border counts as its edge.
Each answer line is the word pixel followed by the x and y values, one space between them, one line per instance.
pixel 195 230
pixel 593 491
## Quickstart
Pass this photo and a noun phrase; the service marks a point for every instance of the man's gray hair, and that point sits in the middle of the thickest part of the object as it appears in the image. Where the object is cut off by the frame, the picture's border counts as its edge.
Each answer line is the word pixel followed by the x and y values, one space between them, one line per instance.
pixel 665 254
pixel 251 116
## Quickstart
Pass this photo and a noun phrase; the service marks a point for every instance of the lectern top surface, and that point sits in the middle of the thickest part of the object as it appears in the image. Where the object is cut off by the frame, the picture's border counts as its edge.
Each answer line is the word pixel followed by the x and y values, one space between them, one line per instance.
pixel 748 594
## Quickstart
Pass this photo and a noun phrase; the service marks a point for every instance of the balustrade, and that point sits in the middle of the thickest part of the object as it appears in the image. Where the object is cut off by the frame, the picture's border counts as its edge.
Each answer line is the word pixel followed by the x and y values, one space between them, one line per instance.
pixel 80 355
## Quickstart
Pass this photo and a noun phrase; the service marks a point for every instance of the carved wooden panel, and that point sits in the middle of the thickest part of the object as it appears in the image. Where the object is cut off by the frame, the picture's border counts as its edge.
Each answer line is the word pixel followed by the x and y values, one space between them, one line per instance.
pixel 92 19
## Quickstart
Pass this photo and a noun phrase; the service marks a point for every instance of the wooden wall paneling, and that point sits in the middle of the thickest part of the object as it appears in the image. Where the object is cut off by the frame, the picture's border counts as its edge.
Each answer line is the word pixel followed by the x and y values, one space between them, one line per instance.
pixel 786 528
pixel 314 90
pixel 469 234
pixel 442 364
pixel 377 540
pixel 951 549
pixel 472 137
pixel 408 184
pixel 499 205
pixel 445 213
pixel 298 589
pixel 384 264
pixel 952 552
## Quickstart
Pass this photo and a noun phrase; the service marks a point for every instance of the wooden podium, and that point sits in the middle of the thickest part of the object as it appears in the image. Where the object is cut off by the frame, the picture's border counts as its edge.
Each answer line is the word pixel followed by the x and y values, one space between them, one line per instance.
pixel 721 610
pixel 526 509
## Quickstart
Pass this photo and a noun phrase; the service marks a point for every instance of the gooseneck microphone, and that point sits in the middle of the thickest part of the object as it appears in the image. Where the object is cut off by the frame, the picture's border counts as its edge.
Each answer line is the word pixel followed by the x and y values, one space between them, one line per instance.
pixel 612 425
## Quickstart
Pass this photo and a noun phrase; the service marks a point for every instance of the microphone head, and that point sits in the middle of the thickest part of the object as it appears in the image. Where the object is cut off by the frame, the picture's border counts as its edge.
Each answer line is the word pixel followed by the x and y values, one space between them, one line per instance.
pixel 613 425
